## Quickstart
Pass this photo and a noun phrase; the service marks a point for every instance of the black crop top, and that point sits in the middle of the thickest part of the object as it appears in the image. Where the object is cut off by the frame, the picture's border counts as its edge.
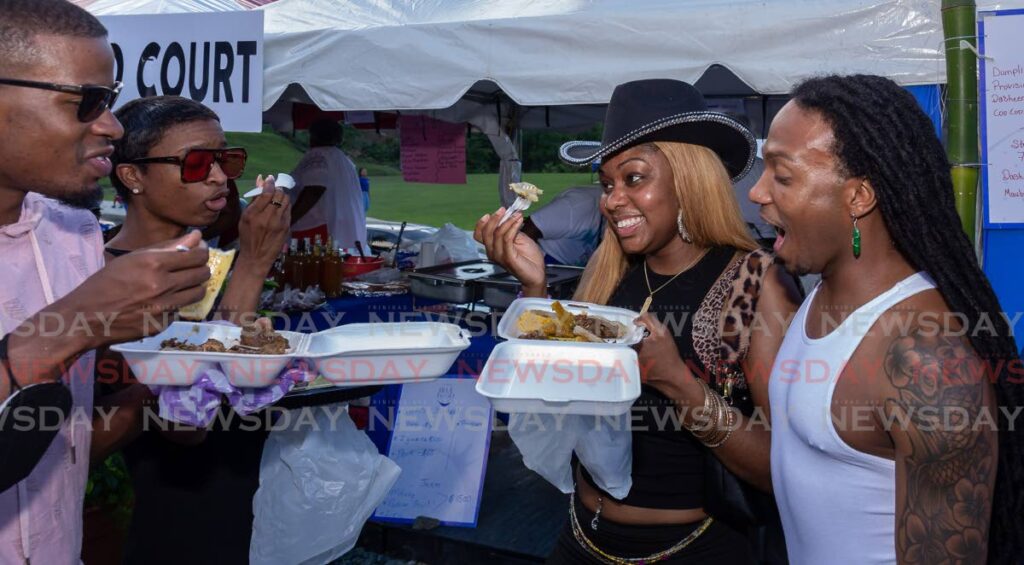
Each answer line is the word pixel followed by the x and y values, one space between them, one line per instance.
pixel 667 462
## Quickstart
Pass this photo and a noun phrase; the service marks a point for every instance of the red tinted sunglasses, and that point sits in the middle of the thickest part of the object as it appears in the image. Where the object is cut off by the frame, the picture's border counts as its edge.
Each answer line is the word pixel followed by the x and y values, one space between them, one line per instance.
pixel 197 163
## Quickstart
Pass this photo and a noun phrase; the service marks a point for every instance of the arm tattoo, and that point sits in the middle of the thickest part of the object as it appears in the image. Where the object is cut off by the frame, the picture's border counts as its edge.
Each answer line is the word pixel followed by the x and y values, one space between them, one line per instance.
pixel 950 469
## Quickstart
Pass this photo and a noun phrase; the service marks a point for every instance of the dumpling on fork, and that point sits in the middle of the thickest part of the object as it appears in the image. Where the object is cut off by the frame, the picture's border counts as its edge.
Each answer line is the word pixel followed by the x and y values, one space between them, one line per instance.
pixel 526 190
pixel 526 194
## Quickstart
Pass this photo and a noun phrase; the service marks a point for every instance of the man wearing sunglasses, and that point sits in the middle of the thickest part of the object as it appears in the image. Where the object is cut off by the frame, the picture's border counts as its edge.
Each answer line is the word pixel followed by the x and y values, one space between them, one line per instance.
pixel 58 302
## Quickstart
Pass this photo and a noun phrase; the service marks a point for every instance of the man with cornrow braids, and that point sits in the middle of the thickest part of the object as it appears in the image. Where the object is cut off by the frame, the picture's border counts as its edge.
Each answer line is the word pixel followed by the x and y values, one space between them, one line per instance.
pixel 894 394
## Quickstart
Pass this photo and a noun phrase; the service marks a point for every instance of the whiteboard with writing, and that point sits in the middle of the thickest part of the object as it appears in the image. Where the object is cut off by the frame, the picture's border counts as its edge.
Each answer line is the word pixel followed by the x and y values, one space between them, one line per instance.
pixel 1001 96
pixel 440 440
pixel 212 57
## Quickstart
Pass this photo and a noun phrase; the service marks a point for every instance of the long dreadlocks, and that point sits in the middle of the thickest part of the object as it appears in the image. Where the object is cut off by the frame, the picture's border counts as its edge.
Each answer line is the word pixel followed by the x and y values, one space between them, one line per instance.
pixel 881 134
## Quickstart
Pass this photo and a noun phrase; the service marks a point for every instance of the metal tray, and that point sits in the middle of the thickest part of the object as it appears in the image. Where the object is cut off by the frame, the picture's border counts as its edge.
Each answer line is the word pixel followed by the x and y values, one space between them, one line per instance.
pixel 453 282
pixel 499 291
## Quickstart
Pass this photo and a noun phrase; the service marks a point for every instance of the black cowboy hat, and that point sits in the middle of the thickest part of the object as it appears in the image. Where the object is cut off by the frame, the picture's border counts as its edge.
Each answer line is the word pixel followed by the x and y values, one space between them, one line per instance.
pixel 643 111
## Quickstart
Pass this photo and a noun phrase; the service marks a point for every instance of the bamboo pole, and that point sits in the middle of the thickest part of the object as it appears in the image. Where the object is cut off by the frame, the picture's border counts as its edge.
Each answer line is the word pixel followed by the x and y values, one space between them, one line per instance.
pixel 959 23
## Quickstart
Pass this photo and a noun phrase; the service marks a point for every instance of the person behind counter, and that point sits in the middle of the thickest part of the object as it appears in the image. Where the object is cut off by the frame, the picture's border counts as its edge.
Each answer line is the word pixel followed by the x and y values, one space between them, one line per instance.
pixel 172 167
pixel 329 202
pixel 675 242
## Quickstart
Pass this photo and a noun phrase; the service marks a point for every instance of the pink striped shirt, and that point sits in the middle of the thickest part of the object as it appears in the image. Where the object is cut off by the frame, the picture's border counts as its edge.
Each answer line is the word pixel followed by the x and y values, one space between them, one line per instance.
pixel 50 250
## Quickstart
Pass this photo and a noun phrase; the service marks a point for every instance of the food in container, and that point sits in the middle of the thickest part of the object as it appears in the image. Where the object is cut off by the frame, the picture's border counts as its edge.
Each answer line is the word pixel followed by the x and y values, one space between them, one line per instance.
pixel 256 339
pixel 152 364
pixel 558 324
pixel 574 374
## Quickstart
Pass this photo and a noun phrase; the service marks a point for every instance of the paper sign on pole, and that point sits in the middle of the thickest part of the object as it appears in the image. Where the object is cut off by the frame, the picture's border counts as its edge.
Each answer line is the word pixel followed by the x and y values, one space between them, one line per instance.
pixel 432 151
pixel 1002 117
pixel 213 57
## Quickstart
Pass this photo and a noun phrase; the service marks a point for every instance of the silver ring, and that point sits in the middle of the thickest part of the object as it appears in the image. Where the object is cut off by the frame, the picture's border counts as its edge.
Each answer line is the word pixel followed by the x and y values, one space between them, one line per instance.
pixel 276 203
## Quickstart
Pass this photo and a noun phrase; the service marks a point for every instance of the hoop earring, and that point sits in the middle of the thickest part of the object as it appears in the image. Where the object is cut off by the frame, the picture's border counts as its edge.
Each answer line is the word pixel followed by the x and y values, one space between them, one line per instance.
pixel 682 229
pixel 856 238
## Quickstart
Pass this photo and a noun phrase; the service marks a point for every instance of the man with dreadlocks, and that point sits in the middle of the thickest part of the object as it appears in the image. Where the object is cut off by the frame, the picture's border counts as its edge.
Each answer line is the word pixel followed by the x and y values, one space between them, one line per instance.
pixel 884 413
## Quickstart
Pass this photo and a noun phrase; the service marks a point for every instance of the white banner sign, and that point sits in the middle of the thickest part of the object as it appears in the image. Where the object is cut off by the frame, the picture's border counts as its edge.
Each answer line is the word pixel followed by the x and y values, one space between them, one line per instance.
pixel 214 58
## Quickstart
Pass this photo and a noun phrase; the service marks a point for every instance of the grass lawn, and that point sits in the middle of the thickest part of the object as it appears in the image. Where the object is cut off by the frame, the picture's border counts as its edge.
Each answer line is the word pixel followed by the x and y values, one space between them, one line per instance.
pixel 391 198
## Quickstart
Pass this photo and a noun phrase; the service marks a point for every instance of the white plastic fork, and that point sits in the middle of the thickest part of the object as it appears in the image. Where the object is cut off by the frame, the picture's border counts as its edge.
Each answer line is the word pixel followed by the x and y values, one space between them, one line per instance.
pixel 518 206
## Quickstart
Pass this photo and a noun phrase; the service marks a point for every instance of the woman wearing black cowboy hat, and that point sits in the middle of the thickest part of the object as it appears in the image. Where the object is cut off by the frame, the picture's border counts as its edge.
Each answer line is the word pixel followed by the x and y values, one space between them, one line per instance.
pixel 677 250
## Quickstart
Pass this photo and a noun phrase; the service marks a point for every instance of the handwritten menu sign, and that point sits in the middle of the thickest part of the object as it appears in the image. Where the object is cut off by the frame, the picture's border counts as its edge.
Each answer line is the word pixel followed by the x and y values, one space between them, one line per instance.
pixel 432 151
pixel 441 436
pixel 1002 115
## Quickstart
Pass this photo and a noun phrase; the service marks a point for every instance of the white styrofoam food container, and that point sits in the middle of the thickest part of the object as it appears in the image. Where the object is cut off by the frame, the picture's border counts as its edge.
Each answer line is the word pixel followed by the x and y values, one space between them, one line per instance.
pixel 508 330
pixel 386 353
pixel 558 377
pixel 151 366
pixel 536 377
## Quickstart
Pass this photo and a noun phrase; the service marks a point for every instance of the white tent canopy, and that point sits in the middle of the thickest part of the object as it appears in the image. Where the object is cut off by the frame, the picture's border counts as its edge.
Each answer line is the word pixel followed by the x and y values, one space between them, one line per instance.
pixel 427 54
pixel 508 64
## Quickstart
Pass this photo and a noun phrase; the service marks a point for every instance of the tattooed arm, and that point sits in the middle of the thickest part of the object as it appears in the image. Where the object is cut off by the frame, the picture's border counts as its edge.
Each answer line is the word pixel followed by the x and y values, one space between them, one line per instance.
pixel 946 448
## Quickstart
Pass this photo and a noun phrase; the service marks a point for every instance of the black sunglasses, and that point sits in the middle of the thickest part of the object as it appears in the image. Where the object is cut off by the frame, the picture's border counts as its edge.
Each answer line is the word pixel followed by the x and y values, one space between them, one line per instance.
pixel 95 98
pixel 197 163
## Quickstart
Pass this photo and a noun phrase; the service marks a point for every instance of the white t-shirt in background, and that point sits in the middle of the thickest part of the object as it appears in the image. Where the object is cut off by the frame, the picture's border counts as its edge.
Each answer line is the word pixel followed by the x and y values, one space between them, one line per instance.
pixel 341 206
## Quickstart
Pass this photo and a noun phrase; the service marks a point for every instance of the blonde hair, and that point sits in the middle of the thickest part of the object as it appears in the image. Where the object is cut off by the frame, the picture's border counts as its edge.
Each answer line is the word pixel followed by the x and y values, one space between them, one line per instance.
pixel 710 213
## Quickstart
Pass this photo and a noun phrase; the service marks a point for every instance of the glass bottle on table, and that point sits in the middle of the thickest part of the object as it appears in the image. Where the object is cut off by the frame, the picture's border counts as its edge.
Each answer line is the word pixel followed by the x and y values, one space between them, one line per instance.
pixel 311 265
pixel 293 266
pixel 332 273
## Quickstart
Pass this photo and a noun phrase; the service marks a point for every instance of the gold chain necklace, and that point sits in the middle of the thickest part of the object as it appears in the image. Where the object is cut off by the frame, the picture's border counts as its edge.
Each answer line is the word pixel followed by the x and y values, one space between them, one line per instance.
pixel 650 293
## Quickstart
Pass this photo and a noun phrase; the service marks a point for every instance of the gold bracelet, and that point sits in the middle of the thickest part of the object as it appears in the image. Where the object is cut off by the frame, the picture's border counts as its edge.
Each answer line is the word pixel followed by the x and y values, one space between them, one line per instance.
pixel 702 421
pixel 729 427
pixel 718 422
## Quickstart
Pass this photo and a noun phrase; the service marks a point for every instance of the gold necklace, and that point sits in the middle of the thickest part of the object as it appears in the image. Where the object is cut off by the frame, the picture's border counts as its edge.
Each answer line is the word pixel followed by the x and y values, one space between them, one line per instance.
pixel 650 293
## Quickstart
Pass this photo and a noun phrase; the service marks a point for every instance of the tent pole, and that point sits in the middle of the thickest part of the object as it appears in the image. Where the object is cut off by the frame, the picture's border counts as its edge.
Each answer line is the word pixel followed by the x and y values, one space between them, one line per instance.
pixel 959 24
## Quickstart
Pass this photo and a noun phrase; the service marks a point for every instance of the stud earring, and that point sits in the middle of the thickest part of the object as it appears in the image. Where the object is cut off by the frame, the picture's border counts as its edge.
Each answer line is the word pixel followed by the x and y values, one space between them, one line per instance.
pixel 856 238
pixel 682 229
pixel 136 191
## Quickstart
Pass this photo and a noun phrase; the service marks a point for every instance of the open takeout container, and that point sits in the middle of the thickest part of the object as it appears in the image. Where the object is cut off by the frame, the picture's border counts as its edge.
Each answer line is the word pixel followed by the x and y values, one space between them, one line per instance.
pixel 508 330
pixel 153 366
pixel 556 377
pixel 353 355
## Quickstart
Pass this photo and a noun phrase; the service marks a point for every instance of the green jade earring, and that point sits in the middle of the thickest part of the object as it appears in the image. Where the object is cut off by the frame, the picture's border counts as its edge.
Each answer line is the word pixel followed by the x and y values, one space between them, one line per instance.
pixel 856 238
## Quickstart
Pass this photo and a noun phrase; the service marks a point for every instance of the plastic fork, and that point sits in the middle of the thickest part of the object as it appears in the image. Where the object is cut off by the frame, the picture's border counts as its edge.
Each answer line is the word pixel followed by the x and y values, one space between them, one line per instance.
pixel 518 206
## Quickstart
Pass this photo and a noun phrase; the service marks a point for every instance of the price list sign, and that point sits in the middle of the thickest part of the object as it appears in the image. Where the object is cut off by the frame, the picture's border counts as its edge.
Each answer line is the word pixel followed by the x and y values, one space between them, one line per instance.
pixel 1002 116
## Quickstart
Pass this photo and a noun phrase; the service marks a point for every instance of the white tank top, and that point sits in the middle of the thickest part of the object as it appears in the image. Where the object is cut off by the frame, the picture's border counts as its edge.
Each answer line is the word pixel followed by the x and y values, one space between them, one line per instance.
pixel 837 504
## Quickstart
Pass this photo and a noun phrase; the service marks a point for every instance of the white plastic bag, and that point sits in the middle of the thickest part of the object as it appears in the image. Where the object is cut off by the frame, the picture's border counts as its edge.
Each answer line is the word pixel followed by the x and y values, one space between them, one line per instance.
pixel 453 245
pixel 603 445
pixel 605 449
pixel 320 480
pixel 546 442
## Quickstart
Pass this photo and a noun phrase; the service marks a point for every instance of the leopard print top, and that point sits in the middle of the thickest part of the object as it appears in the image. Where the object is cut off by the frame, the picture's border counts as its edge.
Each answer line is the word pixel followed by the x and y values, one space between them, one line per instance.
pixel 721 326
